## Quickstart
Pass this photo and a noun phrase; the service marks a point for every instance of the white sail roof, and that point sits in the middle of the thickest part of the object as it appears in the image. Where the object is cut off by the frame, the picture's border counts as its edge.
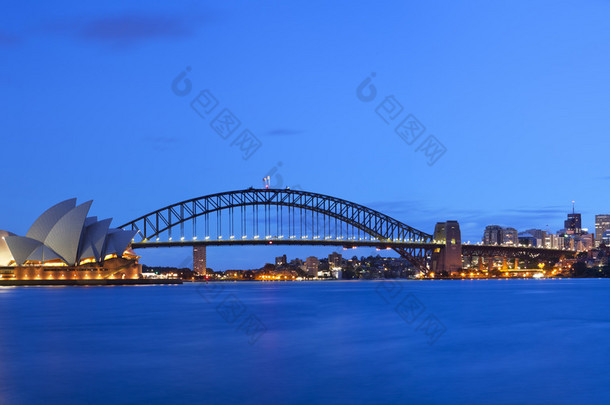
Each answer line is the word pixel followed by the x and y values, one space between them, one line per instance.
pixel 5 253
pixel 117 241
pixel 65 235
pixel 42 254
pixel 42 226
pixel 94 237
pixel 65 232
pixel 90 221
pixel 21 247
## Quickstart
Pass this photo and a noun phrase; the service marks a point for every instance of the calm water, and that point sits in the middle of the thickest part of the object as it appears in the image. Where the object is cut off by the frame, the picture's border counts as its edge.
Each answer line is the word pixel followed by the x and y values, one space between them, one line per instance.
pixel 514 341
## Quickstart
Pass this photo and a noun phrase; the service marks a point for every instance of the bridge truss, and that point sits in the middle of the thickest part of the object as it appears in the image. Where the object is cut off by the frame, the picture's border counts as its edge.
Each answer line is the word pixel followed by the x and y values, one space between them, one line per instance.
pixel 280 216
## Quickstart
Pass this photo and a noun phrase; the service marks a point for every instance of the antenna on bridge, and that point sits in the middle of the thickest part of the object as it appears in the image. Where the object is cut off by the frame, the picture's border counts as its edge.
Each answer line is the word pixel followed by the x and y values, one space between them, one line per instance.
pixel 266 181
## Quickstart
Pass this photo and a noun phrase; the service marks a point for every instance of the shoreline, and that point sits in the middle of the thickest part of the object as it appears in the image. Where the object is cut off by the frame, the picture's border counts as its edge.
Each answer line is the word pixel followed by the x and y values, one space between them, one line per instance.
pixel 18 283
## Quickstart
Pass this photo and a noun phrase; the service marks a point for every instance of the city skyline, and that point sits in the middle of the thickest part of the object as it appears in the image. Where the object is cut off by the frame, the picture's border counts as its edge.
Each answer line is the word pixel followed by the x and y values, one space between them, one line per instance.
pixel 74 84
pixel 305 202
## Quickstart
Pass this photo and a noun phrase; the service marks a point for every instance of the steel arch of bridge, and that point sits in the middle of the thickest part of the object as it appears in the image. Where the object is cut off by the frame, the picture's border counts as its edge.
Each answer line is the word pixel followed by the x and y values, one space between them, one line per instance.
pixel 383 228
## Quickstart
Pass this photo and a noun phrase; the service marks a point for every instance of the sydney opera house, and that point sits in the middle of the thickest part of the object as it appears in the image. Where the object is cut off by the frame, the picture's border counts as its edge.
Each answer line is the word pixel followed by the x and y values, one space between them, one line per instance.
pixel 66 244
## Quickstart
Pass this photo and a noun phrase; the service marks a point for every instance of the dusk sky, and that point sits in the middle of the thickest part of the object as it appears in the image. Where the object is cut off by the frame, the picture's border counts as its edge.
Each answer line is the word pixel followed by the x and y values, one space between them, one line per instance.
pixel 517 93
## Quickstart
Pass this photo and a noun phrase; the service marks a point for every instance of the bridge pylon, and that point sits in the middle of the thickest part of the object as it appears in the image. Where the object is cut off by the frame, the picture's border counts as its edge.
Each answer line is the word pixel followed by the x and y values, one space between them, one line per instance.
pixel 447 258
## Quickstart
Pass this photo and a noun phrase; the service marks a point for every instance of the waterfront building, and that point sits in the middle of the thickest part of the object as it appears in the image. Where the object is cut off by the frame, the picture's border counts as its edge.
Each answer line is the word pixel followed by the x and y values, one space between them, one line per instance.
pixel 573 224
pixel 606 238
pixel 602 224
pixel 525 238
pixel 200 260
pixel 281 261
pixel 539 234
pixel 312 264
pixel 66 244
pixel 497 235
pixel 553 241
pixel 324 273
pixel 492 235
pixel 584 242
pixel 510 236
pixel 334 260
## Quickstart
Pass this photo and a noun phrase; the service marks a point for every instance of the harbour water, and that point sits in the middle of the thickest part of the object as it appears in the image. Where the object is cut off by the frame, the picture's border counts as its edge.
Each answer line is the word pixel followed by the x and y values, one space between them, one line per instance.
pixel 352 342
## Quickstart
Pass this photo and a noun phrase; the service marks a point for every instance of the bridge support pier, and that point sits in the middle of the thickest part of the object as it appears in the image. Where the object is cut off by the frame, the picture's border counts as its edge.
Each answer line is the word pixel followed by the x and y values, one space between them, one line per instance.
pixel 449 257
pixel 199 260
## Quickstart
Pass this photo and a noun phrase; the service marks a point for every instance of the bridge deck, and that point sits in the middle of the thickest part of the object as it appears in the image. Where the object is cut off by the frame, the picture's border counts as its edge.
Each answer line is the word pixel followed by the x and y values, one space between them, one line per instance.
pixel 301 242
pixel 467 249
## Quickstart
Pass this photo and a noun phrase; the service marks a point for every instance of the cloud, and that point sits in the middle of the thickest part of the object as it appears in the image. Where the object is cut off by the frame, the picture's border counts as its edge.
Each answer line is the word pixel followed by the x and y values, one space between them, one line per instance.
pixel 406 209
pixel 553 209
pixel 161 143
pixel 162 139
pixel 283 131
pixel 8 39
pixel 128 29
pixel 134 28
pixel 472 221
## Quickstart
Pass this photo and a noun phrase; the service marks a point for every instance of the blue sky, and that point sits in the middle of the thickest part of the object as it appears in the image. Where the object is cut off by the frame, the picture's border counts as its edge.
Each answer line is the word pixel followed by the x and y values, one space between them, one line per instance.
pixel 517 92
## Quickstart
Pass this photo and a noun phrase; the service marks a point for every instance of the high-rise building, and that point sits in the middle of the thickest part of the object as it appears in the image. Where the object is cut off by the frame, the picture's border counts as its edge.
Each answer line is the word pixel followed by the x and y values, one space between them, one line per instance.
pixel 199 260
pixel 527 239
pixel 553 241
pixel 584 242
pixel 334 260
pixel 492 235
pixel 312 265
pixel 539 234
pixel 281 260
pixel 497 235
pixel 602 224
pixel 606 238
pixel 510 236
pixel 573 224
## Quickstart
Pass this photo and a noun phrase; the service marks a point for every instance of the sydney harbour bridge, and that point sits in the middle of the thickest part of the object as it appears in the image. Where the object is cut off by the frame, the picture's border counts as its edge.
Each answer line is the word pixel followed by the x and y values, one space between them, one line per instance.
pixel 294 217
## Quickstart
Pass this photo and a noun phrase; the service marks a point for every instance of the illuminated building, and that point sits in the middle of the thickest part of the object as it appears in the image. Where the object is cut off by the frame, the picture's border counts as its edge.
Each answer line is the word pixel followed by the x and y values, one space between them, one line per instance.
pixel 583 242
pixel 602 224
pixel 199 260
pixel 510 236
pixel 553 241
pixel 334 260
pixel 281 261
pixel 492 235
pixel 497 235
pixel 539 234
pixel 527 239
pixel 606 238
pixel 573 224
pixel 311 266
pixel 65 244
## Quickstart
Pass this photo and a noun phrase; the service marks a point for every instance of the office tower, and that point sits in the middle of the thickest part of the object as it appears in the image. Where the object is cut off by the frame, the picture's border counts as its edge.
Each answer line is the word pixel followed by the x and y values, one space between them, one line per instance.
pixel 602 224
